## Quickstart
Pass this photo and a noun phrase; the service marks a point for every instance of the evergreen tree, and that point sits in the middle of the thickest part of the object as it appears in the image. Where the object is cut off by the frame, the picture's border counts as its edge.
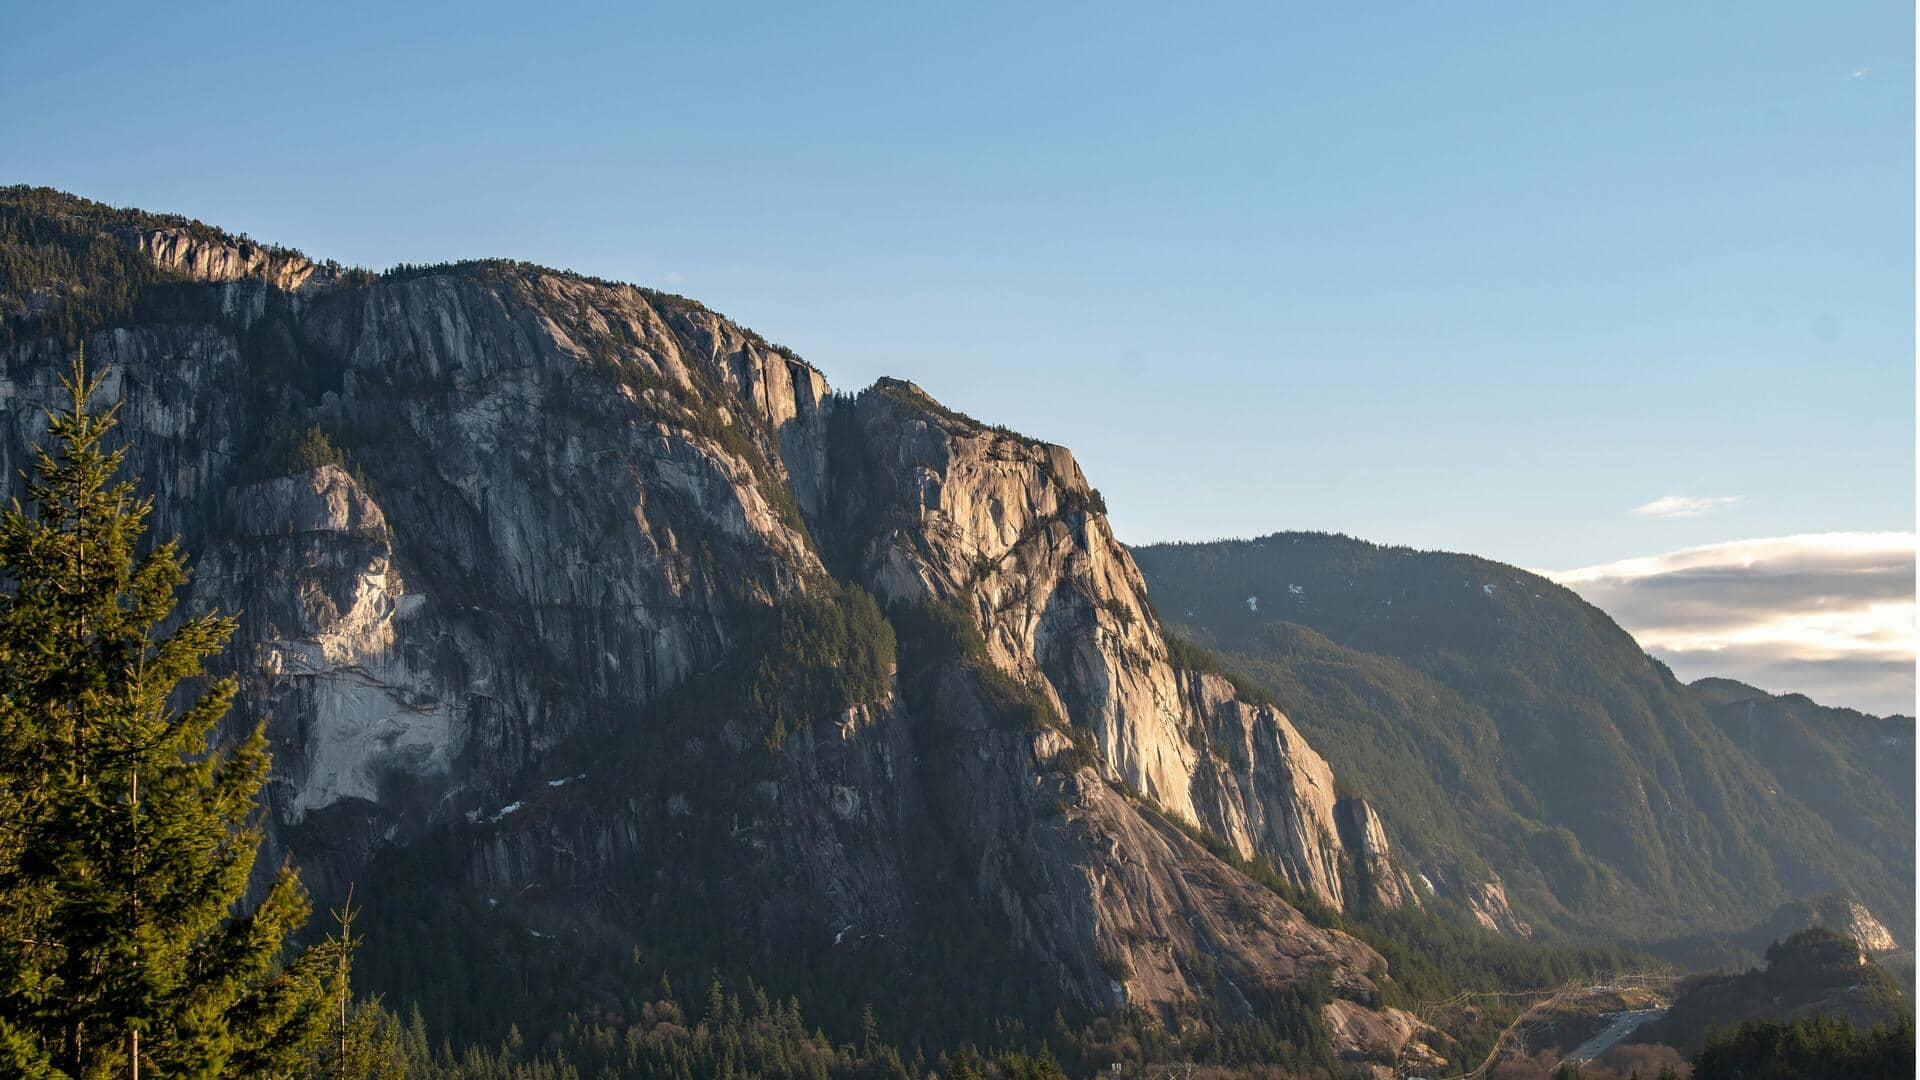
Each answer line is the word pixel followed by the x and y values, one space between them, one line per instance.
pixel 373 1046
pixel 128 839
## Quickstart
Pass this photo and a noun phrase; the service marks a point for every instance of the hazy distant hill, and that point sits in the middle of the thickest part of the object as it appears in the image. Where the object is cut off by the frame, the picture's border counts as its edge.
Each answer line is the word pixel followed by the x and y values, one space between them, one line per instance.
pixel 1503 724
pixel 1854 769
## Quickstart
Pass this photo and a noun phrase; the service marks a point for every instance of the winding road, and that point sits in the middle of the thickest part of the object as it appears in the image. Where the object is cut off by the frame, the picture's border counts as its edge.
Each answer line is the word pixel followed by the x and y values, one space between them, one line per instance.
pixel 1619 1025
pixel 1552 999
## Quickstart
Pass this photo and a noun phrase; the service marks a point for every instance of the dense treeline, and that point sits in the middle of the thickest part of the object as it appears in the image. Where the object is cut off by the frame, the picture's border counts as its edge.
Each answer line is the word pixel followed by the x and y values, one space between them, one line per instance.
pixel 728 1035
pixel 64 272
pixel 1809 1048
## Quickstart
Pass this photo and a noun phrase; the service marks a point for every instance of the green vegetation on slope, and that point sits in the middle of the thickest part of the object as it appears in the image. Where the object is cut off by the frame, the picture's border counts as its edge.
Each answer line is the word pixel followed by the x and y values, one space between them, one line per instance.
pixel 1497 719
pixel 1812 972
pixel 1853 769
pixel 64 272
pixel 1809 1048
pixel 744 1036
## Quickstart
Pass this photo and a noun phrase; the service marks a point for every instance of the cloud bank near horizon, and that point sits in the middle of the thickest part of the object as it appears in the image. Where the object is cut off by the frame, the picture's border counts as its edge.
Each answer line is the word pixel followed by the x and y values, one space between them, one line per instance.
pixel 1828 615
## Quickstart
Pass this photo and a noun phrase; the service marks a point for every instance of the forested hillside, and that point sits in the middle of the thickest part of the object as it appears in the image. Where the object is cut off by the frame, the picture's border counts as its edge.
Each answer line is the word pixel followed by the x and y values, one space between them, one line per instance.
pixel 1521 732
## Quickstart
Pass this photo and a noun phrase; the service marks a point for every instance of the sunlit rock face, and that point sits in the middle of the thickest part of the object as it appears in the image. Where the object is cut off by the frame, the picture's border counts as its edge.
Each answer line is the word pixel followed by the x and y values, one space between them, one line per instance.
pixel 328 639
pixel 204 259
pixel 940 507
pixel 543 505
pixel 1839 913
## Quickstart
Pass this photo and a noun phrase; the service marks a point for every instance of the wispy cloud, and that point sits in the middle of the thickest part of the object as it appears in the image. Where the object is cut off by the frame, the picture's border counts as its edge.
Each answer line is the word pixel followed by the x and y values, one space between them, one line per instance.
pixel 1830 615
pixel 1683 505
pixel 675 277
pixel 1859 72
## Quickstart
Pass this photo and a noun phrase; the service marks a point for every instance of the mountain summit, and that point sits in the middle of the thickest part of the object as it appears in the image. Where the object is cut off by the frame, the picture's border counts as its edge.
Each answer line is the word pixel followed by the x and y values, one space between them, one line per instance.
pixel 589 623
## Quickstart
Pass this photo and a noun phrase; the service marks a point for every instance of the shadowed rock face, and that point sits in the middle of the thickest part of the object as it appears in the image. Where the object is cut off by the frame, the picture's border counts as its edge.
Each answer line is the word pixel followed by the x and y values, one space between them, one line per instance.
pixel 561 502
pixel 1365 836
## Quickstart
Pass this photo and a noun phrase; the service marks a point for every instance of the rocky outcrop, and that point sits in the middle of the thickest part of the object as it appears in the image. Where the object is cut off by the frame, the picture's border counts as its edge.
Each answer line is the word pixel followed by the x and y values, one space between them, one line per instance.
pixel 1365 837
pixel 205 258
pixel 1366 1037
pixel 1268 793
pixel 1839 913
pixel 563 504
pixel 330 645
pixel 335 596
pixel 935 506
pixel 1087 872
pixel 483 613
pixel 1484 896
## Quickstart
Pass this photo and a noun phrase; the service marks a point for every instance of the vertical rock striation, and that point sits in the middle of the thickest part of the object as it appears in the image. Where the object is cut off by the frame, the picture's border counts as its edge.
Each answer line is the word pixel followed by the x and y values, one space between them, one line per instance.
pixel 539 523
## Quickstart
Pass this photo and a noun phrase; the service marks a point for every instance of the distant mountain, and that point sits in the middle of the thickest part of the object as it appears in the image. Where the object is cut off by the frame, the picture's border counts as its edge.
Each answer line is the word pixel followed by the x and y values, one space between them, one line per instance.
pixel 1854 769
pixel 1516 741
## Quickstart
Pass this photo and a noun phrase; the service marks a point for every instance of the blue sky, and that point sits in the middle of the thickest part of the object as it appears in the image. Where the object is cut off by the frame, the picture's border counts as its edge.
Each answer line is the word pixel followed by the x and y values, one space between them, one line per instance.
pixel 1479 277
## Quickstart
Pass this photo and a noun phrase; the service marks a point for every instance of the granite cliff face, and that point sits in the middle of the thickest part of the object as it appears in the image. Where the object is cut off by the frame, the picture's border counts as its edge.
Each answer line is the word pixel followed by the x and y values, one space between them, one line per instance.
pixel 200 259
pixel 935 506
pixel 501 537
